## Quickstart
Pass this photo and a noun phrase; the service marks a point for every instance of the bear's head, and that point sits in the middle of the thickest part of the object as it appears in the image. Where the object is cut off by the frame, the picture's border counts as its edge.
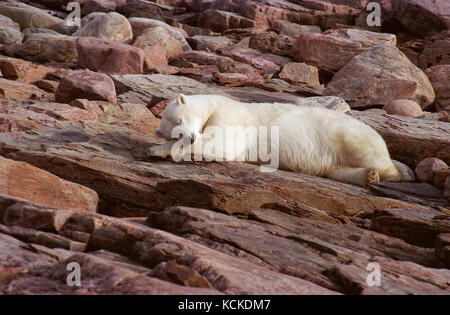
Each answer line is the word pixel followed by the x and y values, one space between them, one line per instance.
pixel 181 117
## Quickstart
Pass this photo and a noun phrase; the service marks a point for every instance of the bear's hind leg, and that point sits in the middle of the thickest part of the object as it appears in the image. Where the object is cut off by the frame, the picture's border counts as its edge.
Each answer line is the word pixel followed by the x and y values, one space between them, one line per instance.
pixel 355 175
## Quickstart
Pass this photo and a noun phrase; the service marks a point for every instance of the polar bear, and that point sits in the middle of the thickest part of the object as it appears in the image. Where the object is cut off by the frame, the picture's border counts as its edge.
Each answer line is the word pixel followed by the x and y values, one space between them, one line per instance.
pixel 315 141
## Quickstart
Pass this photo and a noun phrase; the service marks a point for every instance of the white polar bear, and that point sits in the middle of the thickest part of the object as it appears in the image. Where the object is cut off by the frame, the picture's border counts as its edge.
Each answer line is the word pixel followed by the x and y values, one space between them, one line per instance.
pixel 312 140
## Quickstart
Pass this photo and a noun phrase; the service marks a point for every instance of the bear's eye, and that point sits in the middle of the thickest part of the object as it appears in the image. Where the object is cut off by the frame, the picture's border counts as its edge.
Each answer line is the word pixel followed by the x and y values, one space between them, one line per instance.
pixel 179 121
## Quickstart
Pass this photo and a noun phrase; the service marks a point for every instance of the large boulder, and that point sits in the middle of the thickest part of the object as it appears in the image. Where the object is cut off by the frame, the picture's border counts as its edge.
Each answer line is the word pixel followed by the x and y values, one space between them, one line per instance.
pixel 158 36
pixel 334 48
pixel 110 57
pixel 29 16
pixel 86 85
pixel 25 181
pixel 9 31
pixel 108 26
pixel 378 75
pixel 43 47
pixel 439 76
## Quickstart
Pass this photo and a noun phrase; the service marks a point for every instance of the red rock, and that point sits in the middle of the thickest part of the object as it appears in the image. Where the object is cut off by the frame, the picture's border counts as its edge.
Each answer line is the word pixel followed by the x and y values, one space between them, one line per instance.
pixel 427 168
pixel 378 75
pixel 154 58
pixel 110 57
pixel 447 188
pixel 293 29
pixel 440 176
pixel 333 49
pixel 232 79
pixel 158 36
pixel 86 84
pixel 272 43
pixel 252 57
pixel 300 73
pixel 25 71
pixel 110 26
pixel 19 90
pixel 47 85
pixel 198 72
pixel 439 76
pixel 100 6
pixel 422 16
pixel 219 21
pixel 211 43
pixel 406 108
pixel 25 181
pixel 202 57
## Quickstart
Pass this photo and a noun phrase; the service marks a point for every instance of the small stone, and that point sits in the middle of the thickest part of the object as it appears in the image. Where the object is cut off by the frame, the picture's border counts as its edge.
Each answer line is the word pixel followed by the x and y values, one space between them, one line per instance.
pixel 295 72
pixel 427 168
pixel 406 108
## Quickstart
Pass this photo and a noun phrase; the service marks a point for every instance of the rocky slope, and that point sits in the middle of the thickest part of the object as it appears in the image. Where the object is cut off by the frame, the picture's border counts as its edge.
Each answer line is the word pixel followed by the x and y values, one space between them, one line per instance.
pixel 78 110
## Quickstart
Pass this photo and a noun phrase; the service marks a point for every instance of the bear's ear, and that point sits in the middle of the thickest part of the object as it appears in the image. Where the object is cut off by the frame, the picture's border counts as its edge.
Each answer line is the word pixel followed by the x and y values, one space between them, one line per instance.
pixel 182 99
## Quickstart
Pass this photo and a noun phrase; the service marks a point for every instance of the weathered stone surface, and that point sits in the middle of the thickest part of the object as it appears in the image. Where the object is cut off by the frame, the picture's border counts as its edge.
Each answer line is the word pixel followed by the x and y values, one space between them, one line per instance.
pixel 293 29
pixel 260 61
pixel 264 240
pixel 373 76
pixel 202 58
pixel 211 43
pixel 18 115
pixel 151 89
pixel 158 36
pixel 17 69
pixel 333 49
pixel 406 108
pixel 110 57
pixel 44 47
pixel 422 16
pixel 272 43
pixel 295 72
pixel 29 16
pixel 141 9
pixel 219 21
pixel 100 6
pixel 414 226
pixel 439 76
pixel 108 26
pixel 19 90
pixel 28 182
pixel 9 31
pixel 139 25
pixel 427 168
pixel 410 140
pixel 85 84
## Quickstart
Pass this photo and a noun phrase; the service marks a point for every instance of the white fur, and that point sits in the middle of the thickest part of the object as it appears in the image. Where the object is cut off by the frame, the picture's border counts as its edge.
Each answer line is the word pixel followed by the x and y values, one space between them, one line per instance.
pixel 312 140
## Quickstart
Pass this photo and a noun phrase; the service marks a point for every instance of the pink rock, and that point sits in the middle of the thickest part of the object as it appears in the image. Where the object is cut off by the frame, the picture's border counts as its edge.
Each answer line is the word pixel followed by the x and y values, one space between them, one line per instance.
pixel 427 168
pixel 219 21
pixel 334 48
pixel 202 57
pixel 99 6
pixel 252 57
pixel 406 108
pixel 109 57
pixel 439 76
pixel 295 72
pixel 447 188
pixel 161 37
pixel 86 84
pixel 154 58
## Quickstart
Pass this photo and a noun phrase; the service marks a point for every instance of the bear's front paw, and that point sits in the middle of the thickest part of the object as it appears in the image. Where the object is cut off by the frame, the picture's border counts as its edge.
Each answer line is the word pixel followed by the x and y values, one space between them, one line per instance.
pixel 158 151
